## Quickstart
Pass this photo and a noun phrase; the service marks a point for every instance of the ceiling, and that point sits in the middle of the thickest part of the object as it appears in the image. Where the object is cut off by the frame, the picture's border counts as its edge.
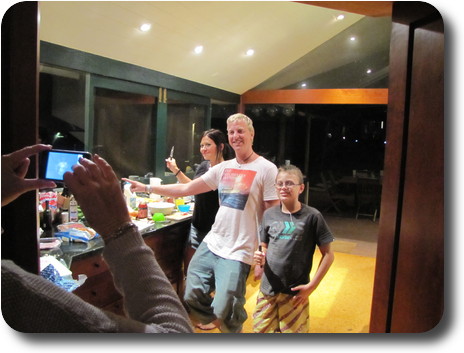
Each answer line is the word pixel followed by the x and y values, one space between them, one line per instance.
pixel 293 41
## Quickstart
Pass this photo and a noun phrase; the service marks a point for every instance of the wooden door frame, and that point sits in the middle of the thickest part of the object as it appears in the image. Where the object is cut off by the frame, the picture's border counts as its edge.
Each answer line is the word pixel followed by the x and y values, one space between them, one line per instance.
pixel 406 16
pixel 20 77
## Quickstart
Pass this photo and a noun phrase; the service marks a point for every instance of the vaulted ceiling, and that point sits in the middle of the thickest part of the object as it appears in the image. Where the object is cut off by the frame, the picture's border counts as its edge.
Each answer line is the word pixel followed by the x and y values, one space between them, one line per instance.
pixel 293 42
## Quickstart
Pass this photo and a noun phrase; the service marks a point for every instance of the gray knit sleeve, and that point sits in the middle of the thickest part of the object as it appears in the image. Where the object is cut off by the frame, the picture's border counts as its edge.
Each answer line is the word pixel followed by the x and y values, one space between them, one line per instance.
pixel 30 303
pixel 148 295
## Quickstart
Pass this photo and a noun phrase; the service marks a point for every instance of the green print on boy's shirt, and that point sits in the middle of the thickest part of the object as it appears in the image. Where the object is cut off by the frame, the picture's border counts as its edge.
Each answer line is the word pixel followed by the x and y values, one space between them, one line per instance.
pixel 286 230
pixel 292 239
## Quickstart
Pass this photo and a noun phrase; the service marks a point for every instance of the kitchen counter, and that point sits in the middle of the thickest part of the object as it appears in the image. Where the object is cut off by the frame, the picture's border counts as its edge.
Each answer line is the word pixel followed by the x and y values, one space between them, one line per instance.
pixel 73 251
pixel 166 239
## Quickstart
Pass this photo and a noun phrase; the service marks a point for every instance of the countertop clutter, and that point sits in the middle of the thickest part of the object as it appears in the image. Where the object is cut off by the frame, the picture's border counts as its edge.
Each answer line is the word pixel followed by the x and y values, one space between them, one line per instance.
pixel 147 212
pixel 167 239
pixel 69 250
pixel 141 207
pixel 75 250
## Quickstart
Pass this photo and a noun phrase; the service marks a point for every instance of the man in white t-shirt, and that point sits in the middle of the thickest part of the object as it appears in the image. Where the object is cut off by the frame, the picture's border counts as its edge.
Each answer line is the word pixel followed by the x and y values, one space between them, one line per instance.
pixel 223 260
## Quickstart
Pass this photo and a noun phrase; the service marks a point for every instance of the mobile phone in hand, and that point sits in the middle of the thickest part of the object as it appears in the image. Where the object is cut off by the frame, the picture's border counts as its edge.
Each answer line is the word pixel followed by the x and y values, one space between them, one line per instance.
pixel 54 163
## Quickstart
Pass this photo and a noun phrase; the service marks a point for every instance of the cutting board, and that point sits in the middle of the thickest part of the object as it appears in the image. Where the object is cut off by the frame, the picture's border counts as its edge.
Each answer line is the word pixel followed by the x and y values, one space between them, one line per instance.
pixel 178 216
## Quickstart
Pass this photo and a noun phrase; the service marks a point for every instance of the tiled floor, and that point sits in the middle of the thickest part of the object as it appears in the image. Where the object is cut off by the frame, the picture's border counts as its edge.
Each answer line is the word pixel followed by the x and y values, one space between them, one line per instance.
pixel 357 236
pixel 352 236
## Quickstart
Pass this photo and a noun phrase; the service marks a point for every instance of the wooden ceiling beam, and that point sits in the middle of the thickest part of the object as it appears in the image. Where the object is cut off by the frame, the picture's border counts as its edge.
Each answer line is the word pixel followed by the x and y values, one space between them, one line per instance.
pixel 366 8
pixel 317 96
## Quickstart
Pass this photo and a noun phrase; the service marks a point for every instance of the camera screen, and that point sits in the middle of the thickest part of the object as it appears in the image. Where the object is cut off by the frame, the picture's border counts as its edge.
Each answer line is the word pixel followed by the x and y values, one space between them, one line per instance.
pixel 59 163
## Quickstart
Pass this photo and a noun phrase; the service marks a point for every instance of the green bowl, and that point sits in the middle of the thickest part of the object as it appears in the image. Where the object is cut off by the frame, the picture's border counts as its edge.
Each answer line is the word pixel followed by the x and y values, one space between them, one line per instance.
pixel 158 217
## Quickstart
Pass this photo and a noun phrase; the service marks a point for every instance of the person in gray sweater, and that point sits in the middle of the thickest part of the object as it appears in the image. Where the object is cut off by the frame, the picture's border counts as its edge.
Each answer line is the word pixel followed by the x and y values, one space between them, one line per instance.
pixel 31 303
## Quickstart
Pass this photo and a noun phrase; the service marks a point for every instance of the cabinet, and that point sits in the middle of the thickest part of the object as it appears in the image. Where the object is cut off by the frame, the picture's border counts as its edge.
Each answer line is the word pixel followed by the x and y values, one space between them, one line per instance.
pixel 167 243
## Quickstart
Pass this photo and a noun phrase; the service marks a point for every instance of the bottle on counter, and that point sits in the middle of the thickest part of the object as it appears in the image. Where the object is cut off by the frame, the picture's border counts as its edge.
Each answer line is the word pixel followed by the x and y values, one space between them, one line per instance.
pixel 65 198
pixel 73 217
pixel 64 209
pixel 47 222
pixel 64 216
pixel 143 211
pixel 57 220
pixel 131 198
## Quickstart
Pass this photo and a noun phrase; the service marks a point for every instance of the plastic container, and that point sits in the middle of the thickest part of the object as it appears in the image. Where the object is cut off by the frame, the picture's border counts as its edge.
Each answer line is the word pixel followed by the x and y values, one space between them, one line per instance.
pixel 179 201
pixel 158 217
pixel 183 208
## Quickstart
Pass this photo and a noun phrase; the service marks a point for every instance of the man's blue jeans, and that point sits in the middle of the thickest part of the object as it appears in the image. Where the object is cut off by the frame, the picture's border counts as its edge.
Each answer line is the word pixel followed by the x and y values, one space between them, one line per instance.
pixel 207 273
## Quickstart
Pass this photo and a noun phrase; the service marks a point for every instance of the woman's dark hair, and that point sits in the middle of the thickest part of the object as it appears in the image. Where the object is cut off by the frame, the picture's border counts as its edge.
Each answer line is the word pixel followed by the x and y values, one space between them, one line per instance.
pixel 219 138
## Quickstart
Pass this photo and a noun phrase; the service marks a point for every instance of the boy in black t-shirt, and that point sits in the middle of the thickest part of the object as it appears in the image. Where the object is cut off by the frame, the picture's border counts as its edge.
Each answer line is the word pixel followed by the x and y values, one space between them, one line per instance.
pixel 289 235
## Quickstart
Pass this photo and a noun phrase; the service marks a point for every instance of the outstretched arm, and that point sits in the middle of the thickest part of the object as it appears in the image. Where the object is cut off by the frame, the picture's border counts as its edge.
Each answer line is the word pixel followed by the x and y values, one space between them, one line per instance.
pixel 194 187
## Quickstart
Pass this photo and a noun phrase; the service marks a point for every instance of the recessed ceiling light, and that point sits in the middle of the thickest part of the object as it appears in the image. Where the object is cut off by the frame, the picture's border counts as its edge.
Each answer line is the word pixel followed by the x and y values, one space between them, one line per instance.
pixel 340 17
pixel 250 52
pixel 198 49
pixel 145 27
pixel 352 38
pixel 368 71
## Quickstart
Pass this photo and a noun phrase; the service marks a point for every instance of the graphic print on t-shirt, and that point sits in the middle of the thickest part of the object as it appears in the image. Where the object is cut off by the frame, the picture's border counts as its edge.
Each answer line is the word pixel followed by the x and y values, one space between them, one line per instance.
pixel 235 186
pixel 287 230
